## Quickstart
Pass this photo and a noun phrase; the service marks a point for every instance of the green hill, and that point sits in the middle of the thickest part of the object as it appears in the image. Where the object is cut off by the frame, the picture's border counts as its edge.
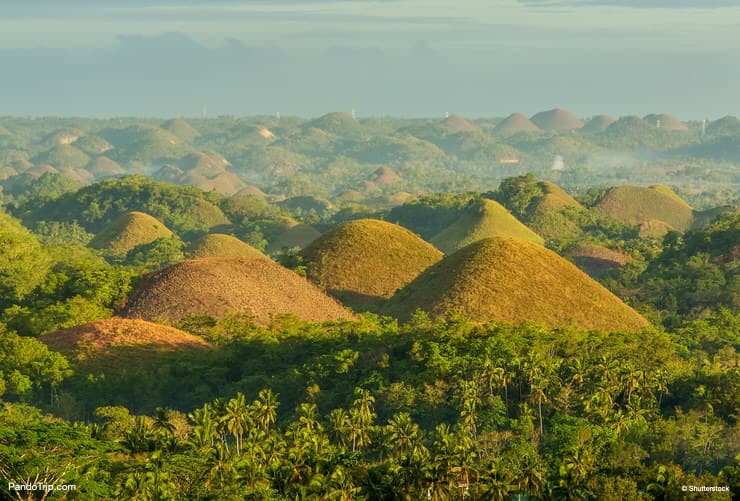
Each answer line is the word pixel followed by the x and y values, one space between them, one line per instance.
pixel 218 244
pixel 366 260
pixel 596 260
pixel 636 204
pixel 512 280
pixel 63 155
pixel 219 286
pixel 128 231
pixel 483 218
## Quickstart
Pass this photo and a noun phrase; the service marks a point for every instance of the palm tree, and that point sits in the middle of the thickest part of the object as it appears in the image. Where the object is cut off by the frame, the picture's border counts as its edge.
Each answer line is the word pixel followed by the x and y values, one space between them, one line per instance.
pixel 265 409
pixel 339 426
pixel 237 418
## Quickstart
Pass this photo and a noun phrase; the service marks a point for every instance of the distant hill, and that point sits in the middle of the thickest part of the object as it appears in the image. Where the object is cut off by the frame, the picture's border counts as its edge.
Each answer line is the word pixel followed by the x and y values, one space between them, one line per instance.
pixel 596 260
pixel 483 218
pixel 93 145
pixel 102 167
pixel 725 126
pixel 128 231
pixel 181 128
pixel 384 176
pixel 598 123
pixel 336 123
pixel 635 204
pixel 664 121
pixel 63 155
pixel 366 260
pixel 557 120
pixel 456 123
pixel 250 190
pixel 218 286
pixel 512 280
pixel 514 123
pixel 629 125
pixel 217 244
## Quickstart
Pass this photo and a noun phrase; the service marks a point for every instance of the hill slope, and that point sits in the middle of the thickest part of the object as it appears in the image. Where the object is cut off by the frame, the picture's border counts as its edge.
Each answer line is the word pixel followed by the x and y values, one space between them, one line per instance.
pixel 217 286
pixel 557 120
pixel 128 231
pixel 514 123
pixel 218 244
pixel 366 260
pixel 482 219
pixel 511 280
pixel 635 204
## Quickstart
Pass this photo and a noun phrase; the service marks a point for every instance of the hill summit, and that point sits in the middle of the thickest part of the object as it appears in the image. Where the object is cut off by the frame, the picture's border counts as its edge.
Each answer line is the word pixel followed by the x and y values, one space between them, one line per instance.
pixel 218 286
pixel 218 244
pixel 636 204
pixel 512 280
pixel 557 119
pixel 514 123
pixel 367 260
pixel 129 230
pixel 483 218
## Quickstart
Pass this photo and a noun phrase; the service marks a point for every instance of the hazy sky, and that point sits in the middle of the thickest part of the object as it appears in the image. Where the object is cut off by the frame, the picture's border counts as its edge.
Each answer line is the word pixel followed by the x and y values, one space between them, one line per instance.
pixel 383 57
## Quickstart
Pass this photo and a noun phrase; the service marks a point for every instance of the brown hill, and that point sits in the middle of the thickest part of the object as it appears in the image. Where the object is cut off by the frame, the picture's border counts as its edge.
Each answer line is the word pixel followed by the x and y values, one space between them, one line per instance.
pixel 456 123
pixel 366 260
pixel 653 229
pixel 128 231
pixel 483 218
pixel 664 121
pixel 557 120
pixel 218 286
pixel 218 244
pixel 636 204
pixel 84 341
pixel 597 260
pixel 181 128
pixel 514 123
pixel 250 190
pixel 598 123
pixel 512 280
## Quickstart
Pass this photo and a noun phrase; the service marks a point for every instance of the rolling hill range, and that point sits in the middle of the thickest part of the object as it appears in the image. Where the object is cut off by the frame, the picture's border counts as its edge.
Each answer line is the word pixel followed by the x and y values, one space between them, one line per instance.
pixel 512 280
pixel 128 231
pixel 218 286
pixel 367 260
pixel 483 218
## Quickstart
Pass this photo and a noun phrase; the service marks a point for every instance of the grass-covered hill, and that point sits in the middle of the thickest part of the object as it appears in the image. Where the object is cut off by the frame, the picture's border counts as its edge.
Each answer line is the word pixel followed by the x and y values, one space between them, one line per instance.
pixel 513 280
pixel 218 244
pixel 596 260
pixel 367 260
pixel 219 286
pixel 296 236
pixel 515 123
pixel 483 218
pixel 126 232
pixel 557 119
pixel 184 210
pixel 86 342
pixel 636 204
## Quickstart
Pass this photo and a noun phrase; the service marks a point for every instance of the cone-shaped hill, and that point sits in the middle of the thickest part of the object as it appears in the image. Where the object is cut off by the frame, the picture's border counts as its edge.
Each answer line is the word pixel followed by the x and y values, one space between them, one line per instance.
pixel 483 218
pixel 514 123
pixel 557 120
pixel 384 176
pixel 456 123
pixel 512 280
pixel 664 121
pixel 128 231
pixel 218 286
pixel 548 214
pixel 629 125
pixel 636 204
pixel 85 340
pixel 728 125
pixel 335 123
pixel 181 128
pixel 218 244
pixel 597 260
pixel 598 123
pixel 367 260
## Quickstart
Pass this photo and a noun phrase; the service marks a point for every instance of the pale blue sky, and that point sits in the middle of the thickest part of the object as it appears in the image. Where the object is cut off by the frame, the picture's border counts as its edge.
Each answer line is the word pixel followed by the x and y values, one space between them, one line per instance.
pixel 398 57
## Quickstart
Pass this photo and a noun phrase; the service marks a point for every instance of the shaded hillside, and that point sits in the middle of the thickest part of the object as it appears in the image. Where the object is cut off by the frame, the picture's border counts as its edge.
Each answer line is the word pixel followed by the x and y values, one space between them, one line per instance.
pixel 219 286
pixel 298 235
pixel 456 123
pixel 511 280
pixel 128 231
pixel 596 260
pixel 366 260
pixel 665 121
pixel 597 124
pixel 23 262
pixel 217 244
pixel 635 204
pixel 483 218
